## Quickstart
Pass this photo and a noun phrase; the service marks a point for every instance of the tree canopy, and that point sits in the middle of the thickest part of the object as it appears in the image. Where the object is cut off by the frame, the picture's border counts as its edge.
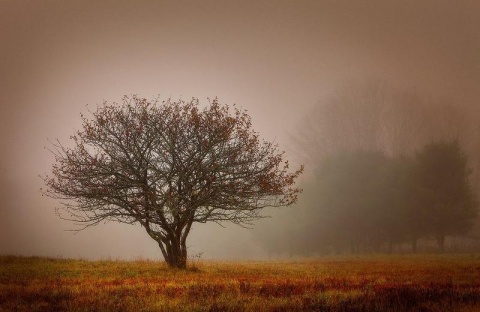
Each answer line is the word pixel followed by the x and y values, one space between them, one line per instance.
pixel 446 193
pixel 166 165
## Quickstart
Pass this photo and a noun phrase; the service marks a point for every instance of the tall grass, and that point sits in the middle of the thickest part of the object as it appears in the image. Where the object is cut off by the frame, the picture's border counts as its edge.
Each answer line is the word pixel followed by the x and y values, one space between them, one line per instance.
pixel 370 283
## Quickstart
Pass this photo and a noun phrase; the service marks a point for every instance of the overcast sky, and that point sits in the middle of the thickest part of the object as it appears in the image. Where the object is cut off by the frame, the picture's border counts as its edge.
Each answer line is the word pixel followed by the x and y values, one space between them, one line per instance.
pixel 277 59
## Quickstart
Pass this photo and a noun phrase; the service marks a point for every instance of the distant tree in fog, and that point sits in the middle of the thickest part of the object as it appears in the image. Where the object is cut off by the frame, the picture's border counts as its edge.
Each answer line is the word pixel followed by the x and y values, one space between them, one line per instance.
pixel 363 190
pixel 349 187
pixel 166 165
pixel 445 190
pixel 375 116
pixel 370 116
pixel 360 201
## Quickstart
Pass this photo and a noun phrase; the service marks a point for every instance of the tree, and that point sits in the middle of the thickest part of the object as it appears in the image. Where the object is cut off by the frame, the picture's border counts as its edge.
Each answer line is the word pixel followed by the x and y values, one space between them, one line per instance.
pixel 370 115
pixel 403 216
pixel 374 115
pixel 349 198
pixel 445 190
pixel 166 165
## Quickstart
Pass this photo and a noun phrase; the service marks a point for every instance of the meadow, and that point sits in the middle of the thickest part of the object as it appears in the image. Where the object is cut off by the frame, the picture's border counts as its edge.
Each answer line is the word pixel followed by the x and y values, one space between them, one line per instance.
pixel 364 283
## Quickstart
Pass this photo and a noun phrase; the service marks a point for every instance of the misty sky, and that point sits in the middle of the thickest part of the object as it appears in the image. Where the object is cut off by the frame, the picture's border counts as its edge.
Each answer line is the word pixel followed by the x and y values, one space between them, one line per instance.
pixel 277 59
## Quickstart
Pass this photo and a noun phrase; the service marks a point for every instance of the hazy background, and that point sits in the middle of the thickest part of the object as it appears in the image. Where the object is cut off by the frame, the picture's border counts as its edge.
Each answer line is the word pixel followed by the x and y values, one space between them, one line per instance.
pixel 277 59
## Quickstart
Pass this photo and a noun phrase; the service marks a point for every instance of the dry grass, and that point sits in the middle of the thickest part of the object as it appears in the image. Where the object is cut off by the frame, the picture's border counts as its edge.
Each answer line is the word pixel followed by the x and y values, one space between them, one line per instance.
pixel 373 283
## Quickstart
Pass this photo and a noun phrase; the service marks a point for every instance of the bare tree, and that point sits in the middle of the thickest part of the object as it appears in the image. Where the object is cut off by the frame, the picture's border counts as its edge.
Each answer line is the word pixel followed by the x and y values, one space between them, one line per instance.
pixel 352 119
pixel 375 116
pixel 166 165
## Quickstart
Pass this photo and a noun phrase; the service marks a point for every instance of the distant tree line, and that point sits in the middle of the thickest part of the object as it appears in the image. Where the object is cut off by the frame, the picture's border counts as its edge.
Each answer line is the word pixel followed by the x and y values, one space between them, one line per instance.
pixel 386 167
pixel 363 201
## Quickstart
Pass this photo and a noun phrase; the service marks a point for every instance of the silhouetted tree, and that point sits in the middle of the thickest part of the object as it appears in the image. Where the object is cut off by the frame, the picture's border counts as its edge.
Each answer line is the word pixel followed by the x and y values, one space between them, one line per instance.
pixel 445 190
pixel 166 165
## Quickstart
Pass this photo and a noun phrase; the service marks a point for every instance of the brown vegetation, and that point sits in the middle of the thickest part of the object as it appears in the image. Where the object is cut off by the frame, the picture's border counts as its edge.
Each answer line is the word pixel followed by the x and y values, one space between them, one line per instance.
pixel 405 283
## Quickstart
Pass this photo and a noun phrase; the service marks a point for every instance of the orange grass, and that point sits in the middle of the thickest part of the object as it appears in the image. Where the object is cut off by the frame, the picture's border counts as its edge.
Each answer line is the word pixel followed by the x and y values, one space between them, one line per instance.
pixel 370 283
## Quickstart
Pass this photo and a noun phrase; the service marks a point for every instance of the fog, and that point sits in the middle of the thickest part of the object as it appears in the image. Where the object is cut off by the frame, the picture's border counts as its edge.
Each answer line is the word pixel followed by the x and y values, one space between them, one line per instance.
pixel 280 60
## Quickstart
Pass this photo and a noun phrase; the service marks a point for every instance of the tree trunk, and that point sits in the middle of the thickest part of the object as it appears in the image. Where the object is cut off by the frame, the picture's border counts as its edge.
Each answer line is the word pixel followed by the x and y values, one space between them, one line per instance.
pixel 173 243
pixel 175 254
pixel 177 261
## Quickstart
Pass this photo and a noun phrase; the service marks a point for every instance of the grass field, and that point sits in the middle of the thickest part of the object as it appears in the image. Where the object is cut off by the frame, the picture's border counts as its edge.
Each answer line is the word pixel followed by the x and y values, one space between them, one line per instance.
pixel 370 283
